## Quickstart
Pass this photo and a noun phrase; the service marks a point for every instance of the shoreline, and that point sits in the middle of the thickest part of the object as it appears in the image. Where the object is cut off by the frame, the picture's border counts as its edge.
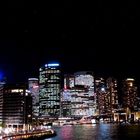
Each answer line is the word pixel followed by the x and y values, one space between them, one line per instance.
pixel 32 135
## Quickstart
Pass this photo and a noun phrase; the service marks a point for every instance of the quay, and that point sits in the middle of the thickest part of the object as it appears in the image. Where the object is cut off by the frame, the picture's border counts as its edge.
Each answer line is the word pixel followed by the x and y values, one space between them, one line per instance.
pixel 38 134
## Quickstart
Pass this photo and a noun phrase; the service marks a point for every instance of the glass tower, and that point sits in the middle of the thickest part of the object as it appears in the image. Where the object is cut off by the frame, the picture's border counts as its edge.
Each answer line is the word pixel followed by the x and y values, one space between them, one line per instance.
pixel 49 93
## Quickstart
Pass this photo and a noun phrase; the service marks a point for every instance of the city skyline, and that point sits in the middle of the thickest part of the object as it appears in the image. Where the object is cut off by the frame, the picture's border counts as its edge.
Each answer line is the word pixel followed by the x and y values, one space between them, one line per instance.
pixel 66 64
pixel 17 72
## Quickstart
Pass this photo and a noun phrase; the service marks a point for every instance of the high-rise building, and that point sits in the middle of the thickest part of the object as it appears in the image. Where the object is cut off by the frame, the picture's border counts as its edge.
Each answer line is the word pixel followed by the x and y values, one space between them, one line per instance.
pixel 87 95
pixel 101 94
pixel 107 96
pixel 49 93
pixel 130 94
pixel 112 95
pixel 66 102
pixel 78 97
pixel 15 106
pixel 33 87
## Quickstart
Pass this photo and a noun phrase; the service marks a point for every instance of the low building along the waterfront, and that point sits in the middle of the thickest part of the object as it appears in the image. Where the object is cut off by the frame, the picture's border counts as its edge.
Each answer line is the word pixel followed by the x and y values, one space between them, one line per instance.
pixel 15 106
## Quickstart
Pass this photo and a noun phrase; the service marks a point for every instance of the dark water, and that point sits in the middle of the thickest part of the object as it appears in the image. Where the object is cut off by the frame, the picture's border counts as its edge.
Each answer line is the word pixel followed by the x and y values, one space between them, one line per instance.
pixel 97 132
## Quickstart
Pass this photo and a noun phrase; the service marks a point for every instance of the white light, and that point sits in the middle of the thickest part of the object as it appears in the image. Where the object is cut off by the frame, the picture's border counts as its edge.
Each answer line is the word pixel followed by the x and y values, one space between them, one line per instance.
pixel 28 91
pixel 17 90
pixel 130 79
pixel 6 131
pixel 55 64
pixel 102 89
pixel 33 79
pixel 93 121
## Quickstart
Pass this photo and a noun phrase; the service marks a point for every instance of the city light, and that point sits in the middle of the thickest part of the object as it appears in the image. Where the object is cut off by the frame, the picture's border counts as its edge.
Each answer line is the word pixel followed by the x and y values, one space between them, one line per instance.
pixel 51 65
pixel 16 90
pixel 30 79
pixel 102 89
pixel 130 79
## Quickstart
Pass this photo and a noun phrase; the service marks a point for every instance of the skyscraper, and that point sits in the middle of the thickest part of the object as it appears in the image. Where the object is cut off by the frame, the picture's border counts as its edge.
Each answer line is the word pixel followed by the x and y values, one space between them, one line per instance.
pixel 85 94
pixel 49 93
pixel 112 95
pixel 100 89
pixel 107 96
pixel 33 87
pixel 78 97
pixel 130 94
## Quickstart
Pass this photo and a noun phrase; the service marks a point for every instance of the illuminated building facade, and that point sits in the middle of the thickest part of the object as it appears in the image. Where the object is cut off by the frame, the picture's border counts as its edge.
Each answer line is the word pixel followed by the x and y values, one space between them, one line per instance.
pixel 101 93
pixel 82 103
pixel 112 95
pixel 69 81
pixel 84 94
pixel 33 87
pixel 49 93
pixel 16 106
pixel 66 102
pixel 78 97
pixel 107 95
pixel 130 94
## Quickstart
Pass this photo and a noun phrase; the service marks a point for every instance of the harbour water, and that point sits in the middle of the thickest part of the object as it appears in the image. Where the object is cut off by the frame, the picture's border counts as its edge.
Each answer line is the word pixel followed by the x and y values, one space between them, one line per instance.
pixel 97 132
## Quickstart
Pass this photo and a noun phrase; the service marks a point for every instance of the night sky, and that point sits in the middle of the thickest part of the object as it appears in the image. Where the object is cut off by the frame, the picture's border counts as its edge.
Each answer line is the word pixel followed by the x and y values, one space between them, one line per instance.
pixel 36 33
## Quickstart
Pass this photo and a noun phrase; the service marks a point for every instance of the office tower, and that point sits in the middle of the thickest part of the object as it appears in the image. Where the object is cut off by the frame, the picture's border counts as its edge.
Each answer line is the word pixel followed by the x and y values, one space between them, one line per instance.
pixel 16 106
pixel 101 94
pixel 84 91
pixel 78 97
pixel 33 87
pixel 66 102
pixel 66 95
pixel 112 96
pixel 49 93
pixel 130 94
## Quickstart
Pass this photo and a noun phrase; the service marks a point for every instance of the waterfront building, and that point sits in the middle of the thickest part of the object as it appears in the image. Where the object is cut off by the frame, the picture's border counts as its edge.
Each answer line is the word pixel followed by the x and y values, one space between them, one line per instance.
pixel 101 93
pixel 15 106
pixel 112 95
pixel 78 98
pixel 49 92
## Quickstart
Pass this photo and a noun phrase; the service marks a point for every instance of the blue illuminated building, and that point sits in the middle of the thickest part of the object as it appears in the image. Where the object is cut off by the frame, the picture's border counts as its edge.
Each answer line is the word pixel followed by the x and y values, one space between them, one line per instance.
pixel 1 76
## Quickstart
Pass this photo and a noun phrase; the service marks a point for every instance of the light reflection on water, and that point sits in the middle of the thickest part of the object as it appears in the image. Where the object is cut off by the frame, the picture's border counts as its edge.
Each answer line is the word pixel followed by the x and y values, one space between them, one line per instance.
pixel 97 132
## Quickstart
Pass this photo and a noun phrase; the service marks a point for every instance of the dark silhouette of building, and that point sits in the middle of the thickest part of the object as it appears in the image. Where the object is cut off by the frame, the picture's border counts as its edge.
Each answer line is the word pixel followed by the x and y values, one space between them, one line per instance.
pixel 15 106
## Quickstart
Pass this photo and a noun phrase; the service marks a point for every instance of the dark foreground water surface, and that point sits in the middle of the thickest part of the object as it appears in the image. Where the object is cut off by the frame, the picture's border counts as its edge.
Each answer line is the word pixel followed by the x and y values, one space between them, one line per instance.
pixel 97 132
